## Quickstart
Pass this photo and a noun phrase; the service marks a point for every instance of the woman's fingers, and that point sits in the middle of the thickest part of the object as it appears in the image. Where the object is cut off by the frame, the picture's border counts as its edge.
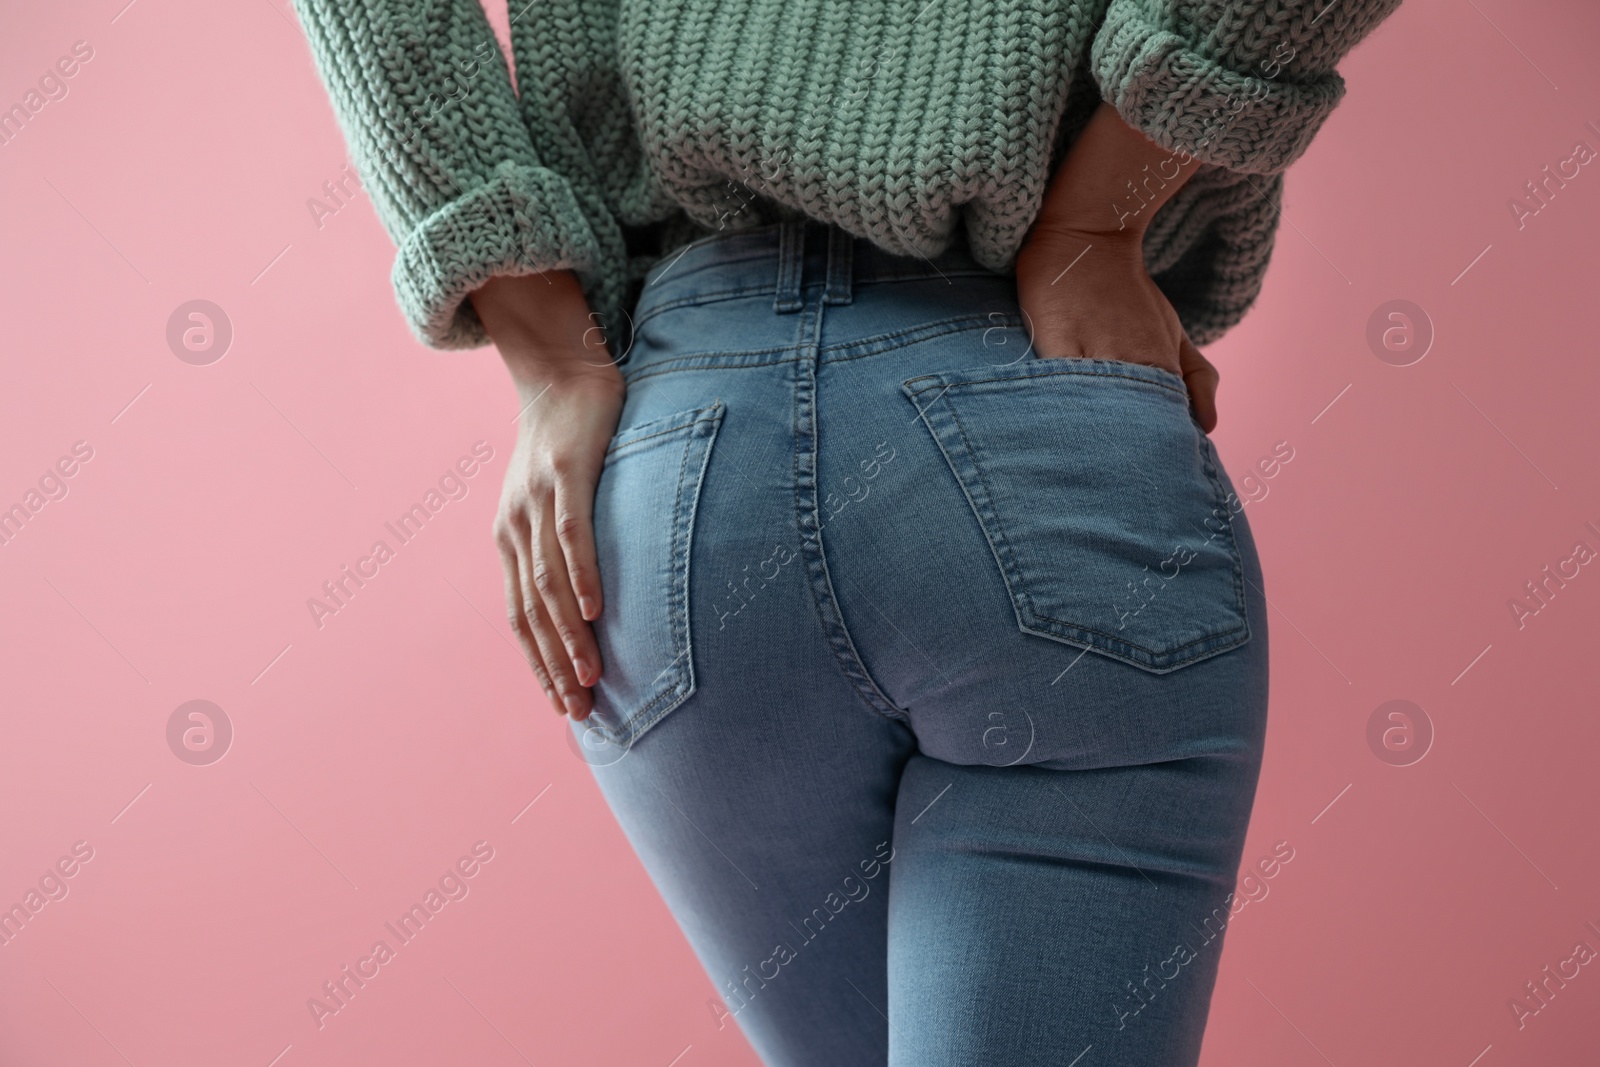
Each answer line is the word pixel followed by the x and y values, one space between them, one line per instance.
pixel 535 575
pixel 552 568
pixel 574 528
pixel 541 645
pixel 1201 378
pixel 575 700
pixel 516 616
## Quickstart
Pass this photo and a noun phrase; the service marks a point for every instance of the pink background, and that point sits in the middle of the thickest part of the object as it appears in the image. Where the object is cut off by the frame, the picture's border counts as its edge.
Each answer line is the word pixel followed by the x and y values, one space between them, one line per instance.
pixel 370 754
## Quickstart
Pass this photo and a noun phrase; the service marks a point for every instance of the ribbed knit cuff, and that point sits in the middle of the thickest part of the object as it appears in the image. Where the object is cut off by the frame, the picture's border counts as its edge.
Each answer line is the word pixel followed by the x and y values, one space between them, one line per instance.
pixel 1210 255
pixel 523 220
pixel 1187 102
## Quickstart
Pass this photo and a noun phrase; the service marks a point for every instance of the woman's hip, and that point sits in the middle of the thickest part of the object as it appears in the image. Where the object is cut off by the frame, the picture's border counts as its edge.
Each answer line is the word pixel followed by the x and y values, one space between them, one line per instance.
pixel 1028 560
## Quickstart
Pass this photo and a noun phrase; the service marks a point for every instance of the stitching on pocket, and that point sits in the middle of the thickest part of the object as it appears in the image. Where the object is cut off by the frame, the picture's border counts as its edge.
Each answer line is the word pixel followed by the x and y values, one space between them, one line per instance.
pixel 975 482
pixel 1209 461
pixel 998 544
pixel 628 440
pixel 632 723
pixel 1228 545
pixel 1074 365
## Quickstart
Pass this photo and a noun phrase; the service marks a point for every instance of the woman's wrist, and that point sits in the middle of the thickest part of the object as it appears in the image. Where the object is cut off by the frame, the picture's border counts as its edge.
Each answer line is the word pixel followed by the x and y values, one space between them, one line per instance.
pixel 1112 181
pixel 542 326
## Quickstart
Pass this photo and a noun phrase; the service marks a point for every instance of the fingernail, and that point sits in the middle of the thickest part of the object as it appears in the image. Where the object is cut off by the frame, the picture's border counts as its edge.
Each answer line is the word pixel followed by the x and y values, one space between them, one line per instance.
pixel 574 705
pixel 589 606
pixel 581 665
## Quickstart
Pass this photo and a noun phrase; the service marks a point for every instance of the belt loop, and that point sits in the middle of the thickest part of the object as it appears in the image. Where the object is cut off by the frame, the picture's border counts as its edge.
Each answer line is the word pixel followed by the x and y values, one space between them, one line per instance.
pixel 840 248
pixel 791 265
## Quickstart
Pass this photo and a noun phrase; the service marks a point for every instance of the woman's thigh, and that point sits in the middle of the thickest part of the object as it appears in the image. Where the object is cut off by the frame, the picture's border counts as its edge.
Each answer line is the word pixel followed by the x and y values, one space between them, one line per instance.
pixel 1038 915
pixel 765 817
pixel 759 788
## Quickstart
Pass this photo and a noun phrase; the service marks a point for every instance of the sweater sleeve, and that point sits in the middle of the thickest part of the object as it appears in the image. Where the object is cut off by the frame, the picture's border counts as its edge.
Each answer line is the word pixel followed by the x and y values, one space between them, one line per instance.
pixel 1240 85
pixel 424 99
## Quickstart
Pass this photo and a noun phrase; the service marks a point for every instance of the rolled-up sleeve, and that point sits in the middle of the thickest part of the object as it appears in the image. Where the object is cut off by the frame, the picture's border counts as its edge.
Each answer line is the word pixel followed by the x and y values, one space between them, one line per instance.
pixel 1244 86
pixel 424 99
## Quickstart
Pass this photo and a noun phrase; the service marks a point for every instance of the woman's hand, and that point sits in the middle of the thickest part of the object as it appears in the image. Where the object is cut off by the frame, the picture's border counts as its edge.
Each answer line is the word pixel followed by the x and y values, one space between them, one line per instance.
pixel 1088 295
pixel 1081 278
pixel 571 396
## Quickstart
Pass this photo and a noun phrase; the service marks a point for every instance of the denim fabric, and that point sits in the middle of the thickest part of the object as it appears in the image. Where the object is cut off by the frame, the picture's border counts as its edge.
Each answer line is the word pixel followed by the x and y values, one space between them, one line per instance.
pixel 935 671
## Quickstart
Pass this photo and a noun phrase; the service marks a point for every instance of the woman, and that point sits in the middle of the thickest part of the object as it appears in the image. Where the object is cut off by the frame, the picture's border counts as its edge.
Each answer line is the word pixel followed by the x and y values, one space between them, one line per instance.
pixel 862 515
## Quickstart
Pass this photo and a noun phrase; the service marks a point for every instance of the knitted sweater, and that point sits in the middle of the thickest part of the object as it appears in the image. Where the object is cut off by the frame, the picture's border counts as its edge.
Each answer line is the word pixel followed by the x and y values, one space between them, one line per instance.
pixel 636 125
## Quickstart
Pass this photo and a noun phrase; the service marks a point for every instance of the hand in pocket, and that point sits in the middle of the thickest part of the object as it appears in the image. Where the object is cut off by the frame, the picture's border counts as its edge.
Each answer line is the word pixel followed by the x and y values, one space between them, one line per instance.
pixel 1088 295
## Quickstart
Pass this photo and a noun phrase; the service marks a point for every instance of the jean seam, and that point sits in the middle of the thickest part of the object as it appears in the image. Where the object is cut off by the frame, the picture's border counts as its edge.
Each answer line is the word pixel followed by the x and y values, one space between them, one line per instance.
pixel 735 360
pixel 890 342
pixel 829 614
pixel 714 361
pixel 1209 465
pixel 716 296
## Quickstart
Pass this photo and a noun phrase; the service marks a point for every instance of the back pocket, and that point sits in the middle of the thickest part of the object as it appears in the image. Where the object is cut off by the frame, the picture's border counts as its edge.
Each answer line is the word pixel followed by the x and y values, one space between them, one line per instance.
pixel 1100 498
pixel 644 512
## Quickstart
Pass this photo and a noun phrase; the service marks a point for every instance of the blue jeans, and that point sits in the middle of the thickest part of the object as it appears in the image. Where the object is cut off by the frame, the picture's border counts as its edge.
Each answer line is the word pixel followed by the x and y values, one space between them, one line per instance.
pixel 935 672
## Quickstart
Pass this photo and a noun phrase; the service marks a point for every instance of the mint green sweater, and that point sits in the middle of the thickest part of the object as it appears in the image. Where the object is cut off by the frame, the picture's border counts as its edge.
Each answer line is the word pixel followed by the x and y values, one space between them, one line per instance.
pixel 636 125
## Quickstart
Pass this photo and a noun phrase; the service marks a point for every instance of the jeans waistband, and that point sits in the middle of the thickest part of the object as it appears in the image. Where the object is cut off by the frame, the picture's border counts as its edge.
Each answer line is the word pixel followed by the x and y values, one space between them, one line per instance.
pixel 785 258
